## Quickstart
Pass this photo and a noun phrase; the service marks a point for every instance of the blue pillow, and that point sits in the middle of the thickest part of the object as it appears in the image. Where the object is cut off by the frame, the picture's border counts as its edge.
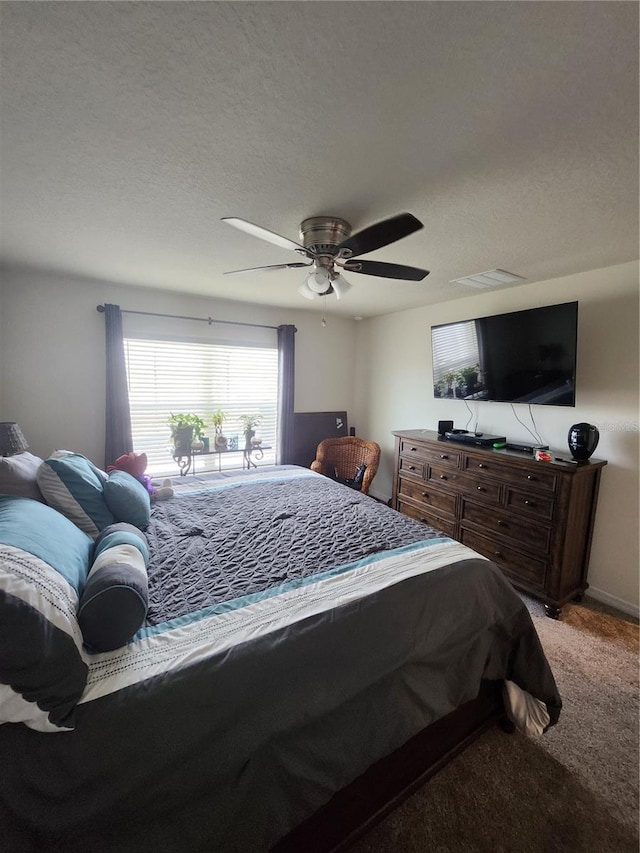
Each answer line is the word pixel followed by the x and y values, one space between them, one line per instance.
pixel 44 560
pixel 74 486
pixel 115 600
pixel 127 499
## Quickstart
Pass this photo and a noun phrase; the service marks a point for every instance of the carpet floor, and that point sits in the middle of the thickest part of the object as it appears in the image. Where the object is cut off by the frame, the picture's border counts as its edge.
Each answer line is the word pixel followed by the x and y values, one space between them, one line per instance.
pixel 574 789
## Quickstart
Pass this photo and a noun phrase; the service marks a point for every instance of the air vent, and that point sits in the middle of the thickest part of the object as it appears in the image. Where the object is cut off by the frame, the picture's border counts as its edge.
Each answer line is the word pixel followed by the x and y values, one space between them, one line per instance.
pixel 492 278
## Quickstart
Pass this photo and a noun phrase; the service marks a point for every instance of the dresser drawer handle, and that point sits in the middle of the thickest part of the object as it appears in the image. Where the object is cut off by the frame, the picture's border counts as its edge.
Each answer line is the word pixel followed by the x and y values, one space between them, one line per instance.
pixel 413 449
pixel 497 553
pixel 443 456
pixel 443 476
pixel 412 467
pixel 502 523
pixel 481 465
pixel 425 494
pixel 529 503
pixel 530 477
pixel 481 489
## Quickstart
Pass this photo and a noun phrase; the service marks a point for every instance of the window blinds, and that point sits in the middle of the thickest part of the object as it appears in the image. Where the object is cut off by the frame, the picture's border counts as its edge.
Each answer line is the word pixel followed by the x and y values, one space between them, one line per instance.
pixel 170 376
pixel 454 346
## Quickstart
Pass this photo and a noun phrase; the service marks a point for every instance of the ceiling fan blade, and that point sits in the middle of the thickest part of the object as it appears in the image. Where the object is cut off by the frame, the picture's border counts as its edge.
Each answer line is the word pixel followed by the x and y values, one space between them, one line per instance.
pixel 295 266
pixel 386 270
pixel 264 234
pixel 381 234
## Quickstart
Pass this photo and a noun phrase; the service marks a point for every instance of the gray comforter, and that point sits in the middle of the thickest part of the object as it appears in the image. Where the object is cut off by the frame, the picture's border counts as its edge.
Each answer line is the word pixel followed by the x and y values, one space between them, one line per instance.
pixel 298 631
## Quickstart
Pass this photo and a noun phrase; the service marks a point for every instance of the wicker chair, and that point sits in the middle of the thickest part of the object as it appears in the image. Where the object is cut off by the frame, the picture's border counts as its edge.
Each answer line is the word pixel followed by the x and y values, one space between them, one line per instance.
pixel 339 457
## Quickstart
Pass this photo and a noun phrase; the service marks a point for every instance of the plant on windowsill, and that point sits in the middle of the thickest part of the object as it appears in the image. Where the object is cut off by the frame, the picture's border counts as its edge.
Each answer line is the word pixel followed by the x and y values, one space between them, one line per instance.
pixel 451 380
pixel 467 379
pixel 186 431
pixel 440 389
pixel 249 423
pixel 217 419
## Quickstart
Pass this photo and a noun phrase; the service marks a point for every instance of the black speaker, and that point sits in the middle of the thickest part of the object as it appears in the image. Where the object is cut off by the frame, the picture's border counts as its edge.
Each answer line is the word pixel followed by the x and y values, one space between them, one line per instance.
pixel 583 440
pixel 444 426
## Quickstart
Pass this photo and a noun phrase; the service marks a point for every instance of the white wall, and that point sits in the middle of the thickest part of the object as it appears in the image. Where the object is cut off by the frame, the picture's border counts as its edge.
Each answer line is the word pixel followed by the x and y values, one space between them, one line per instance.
pixel 52 378
pixel 394 390
pixel 52 363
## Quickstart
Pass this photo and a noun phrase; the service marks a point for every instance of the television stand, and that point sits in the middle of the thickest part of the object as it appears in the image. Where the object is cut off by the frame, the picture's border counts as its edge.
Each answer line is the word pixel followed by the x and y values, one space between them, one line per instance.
pixel 532 519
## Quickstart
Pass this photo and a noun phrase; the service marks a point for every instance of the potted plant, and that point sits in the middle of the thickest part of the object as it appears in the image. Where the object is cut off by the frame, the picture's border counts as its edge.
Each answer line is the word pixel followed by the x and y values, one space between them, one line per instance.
pixel 217 419
pixel 249 423
pixel 467 377
pixel 450 380
pixel 439 389
pixel 186 428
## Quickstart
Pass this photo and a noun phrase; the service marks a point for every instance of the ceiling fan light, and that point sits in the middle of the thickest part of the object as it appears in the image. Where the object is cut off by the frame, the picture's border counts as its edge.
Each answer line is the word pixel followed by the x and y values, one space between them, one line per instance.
pixel 340 286
pixel 319 280
pixel 305 290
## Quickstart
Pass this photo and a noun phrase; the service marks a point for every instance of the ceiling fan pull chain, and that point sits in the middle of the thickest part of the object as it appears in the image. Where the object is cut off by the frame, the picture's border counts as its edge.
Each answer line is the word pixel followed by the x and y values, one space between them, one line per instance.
pixel 324 305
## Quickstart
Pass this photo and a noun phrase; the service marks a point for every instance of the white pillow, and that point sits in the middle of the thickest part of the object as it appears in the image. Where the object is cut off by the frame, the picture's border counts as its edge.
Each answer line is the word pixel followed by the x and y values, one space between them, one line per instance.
pixel 18 476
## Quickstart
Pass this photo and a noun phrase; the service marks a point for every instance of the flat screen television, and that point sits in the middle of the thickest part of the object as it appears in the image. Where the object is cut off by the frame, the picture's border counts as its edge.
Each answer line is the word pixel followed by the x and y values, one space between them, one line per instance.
pixel 520 357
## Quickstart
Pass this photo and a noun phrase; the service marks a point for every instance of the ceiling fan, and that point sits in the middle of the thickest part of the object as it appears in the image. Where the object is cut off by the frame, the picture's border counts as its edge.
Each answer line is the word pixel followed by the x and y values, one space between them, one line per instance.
pixel 330 247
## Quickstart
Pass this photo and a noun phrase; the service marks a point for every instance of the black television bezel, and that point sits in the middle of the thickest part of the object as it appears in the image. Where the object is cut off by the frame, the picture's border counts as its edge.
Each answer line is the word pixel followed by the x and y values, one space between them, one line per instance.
pixel 572 404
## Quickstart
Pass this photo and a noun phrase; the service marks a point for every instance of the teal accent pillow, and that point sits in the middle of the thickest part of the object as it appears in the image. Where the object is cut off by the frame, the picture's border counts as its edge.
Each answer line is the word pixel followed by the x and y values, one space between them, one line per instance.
pixel 74 486
pixel 114 603
pixel 39 530
pixel 127 499
pixel 44 562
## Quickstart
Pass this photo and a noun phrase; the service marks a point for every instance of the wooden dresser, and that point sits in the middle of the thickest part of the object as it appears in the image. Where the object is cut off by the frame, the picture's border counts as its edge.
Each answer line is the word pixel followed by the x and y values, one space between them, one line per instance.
pixel 533 519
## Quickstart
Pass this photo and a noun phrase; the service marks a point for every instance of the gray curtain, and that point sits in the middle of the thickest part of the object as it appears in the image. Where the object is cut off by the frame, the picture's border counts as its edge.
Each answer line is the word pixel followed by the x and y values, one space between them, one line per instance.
pixel 286 382
pixel 118 439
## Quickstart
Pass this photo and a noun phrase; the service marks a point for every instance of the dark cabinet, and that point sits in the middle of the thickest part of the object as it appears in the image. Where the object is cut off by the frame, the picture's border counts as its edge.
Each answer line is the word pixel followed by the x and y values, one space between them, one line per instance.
pixel 533 519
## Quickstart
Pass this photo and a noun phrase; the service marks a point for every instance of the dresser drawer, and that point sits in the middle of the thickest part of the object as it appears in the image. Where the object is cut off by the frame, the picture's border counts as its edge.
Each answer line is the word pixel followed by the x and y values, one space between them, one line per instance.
pixel 507 526
pixel 412 467
pixel 536 479
pixel 427 496
pixel 514 564
pixel 440 522
pixel 530 503
pixel 481 488
pixel 444 456
pixel 443 476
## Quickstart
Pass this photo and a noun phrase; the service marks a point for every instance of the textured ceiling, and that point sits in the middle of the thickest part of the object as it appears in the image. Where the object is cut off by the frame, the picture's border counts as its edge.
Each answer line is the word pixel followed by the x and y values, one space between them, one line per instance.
pixel 510 129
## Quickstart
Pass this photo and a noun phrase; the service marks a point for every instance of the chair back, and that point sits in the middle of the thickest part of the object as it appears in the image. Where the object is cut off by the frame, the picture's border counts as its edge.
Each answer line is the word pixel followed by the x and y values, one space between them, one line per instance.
pixel 342 456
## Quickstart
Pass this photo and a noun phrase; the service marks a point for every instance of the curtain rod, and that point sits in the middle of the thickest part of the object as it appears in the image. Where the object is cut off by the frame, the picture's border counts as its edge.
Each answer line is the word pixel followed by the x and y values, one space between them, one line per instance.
pixel 208 320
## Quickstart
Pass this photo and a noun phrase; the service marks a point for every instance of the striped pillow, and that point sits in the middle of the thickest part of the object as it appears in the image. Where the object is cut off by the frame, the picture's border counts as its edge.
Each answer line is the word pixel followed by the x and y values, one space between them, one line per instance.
pixel 74 486
pixel 44 560
pixel 114 603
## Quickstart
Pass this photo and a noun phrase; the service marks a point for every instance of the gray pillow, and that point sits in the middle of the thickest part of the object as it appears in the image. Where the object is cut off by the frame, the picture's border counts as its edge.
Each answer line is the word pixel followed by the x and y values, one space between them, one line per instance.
pixel 18 476
pixel 114 602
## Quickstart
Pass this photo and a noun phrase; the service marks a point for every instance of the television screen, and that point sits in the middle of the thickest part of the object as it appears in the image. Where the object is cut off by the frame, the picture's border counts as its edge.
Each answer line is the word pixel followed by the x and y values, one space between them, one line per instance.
pixel 521 357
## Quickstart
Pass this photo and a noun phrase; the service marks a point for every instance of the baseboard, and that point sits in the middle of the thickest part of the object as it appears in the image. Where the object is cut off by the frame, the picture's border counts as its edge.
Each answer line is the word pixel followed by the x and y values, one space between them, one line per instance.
pixel 613 601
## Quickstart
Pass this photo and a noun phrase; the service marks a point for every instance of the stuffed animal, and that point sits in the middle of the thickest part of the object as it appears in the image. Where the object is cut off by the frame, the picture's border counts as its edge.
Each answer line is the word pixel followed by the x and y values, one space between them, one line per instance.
pixel 136 464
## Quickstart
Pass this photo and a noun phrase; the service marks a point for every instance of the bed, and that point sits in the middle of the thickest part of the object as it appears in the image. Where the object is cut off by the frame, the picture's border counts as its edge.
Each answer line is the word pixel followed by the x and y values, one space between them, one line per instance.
pixel 299 636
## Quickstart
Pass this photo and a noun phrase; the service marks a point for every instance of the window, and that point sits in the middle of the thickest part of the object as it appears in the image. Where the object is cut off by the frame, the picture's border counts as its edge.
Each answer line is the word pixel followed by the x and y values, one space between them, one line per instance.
pixel 455 346
pixel 166 376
